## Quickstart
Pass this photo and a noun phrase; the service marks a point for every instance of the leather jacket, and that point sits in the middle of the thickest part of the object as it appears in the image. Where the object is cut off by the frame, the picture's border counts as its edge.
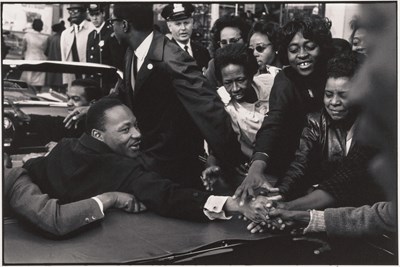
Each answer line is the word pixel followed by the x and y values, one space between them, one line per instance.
pixel 321 148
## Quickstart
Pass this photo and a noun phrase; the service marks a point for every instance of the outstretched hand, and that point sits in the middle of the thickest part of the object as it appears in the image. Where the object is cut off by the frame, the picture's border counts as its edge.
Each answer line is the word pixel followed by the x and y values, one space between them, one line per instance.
pixel 75 116
pixel 120 200
pixel 210 176
pixel 255 180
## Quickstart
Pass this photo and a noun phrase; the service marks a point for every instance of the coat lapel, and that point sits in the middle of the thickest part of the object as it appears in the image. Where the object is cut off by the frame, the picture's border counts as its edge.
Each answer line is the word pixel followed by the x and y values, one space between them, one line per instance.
pixel 154 56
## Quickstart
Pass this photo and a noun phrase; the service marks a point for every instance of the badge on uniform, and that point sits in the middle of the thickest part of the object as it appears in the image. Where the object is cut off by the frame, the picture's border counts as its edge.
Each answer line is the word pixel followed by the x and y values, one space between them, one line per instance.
pixel 150 66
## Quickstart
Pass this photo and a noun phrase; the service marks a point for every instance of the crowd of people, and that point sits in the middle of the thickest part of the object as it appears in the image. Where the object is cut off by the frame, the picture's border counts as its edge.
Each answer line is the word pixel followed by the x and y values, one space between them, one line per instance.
pixel 289 114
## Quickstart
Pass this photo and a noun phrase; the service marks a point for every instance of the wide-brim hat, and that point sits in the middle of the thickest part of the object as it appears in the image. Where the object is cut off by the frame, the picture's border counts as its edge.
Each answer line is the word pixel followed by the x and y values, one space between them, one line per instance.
pixel 173 12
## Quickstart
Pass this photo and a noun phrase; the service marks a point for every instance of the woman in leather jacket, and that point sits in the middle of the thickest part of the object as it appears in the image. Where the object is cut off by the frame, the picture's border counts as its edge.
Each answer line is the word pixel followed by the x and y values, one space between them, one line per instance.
pixel 327 136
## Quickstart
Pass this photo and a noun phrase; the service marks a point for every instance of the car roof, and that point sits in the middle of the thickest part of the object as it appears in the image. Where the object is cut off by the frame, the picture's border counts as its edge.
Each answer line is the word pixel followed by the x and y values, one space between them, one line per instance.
pixel 60 67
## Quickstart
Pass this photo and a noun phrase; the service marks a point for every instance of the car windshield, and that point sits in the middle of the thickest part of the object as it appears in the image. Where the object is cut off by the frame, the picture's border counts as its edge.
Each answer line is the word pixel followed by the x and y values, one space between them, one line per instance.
pixel 43 80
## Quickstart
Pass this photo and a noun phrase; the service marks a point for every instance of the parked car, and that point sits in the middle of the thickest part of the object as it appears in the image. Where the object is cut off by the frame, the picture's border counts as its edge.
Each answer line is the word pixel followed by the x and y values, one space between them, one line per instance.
pixel 29 116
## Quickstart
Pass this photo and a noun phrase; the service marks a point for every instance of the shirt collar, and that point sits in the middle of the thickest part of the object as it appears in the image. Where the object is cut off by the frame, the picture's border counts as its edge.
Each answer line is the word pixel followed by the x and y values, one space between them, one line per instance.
pixel 144 47
pixel 183 45
pixel 99 28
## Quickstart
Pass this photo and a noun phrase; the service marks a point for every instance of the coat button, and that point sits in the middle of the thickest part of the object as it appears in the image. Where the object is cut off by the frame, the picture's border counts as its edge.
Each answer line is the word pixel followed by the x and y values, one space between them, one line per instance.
pixel 87 220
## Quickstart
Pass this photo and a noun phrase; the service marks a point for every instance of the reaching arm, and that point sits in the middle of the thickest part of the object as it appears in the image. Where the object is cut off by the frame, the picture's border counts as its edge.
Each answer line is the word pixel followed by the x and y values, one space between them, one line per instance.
pixel 31 204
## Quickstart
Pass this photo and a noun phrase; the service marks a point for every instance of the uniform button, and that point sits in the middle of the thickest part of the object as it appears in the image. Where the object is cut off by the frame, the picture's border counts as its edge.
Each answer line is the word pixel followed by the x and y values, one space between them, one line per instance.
pixel 91 56
pixel 195 194
pixel 92 48
pixel 93 218
pixel 87 220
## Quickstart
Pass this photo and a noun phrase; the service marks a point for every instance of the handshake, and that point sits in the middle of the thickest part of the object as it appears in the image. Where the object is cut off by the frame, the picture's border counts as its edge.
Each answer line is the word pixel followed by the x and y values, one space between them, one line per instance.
pixel 267 214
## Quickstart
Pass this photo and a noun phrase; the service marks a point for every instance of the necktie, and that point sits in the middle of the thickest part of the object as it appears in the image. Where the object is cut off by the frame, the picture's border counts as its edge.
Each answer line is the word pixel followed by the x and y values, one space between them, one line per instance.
pixel 187 49
pixel 134 71
pixel 75 55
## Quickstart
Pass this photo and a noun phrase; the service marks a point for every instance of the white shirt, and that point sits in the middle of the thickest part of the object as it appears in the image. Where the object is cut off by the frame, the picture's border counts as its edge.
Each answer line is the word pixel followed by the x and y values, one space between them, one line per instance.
pixel 142 50
pixel 99 28
pixel 190 51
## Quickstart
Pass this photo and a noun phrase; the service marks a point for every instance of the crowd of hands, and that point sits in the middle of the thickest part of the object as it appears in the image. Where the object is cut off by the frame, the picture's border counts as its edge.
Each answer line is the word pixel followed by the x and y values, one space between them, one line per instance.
pixel 259 202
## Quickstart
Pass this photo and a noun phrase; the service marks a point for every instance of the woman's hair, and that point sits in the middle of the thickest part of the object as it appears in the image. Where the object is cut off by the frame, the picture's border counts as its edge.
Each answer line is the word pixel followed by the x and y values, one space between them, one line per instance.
pixel 314 28
pixel 343 65
pixel 228 21
pixel 237 54
pixel 37 25
pixel 270 29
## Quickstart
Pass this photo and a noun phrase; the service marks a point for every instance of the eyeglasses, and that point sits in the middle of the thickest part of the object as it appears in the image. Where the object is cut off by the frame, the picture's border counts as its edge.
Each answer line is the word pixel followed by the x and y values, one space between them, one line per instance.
pixel 230 41
pixel 111 21
pixel 260 48
pixel 75 11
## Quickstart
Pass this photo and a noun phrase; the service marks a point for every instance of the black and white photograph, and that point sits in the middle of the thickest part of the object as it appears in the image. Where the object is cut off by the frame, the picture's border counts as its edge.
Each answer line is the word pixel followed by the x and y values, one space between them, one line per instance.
pixel 199 133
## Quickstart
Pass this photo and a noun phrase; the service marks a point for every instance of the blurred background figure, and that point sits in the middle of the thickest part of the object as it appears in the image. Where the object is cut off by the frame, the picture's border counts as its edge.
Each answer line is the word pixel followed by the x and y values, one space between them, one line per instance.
pixel 4 47
pixel 34 45
pixel 357 37
pixel 74 39
pixel 53 52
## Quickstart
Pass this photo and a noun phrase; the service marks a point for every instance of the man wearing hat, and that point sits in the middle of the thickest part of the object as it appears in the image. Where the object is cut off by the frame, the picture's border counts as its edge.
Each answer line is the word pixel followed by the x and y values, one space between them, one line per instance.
pixel 97 51
pixel 180 23
pixel 74 39
pixel 102 45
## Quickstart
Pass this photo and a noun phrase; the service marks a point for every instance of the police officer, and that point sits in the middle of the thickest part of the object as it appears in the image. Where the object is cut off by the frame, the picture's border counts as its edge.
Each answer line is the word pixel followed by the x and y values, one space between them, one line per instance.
pixel 180 23
pixel 102 45
pixel 96 50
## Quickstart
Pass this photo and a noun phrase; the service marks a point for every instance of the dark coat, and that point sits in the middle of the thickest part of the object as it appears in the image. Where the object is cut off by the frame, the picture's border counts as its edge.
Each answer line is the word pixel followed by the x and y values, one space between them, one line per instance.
pixel 176 109
pixel 200 54
pixel 292 97
pixel 321 159
pixel 322 146
pixel 95 53
pixel 77 169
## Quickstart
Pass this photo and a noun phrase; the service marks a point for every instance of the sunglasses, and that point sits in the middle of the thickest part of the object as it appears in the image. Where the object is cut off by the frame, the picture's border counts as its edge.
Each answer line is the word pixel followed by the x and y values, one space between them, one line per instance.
pixel 230 41
pixel 75 11
pixel 260 48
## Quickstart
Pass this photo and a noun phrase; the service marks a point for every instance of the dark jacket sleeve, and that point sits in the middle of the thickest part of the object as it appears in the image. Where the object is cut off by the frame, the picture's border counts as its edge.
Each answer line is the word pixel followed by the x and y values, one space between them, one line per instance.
pixel 294 179
pixel 352 177
pixel 28 202
pixel 282 98
pixel 205 107
pixel 165 197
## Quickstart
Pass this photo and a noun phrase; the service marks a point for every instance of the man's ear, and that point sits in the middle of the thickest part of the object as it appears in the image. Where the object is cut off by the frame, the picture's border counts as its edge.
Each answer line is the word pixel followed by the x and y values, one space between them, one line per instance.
pixel 169 25
pixel 125 26
pixel 97 134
